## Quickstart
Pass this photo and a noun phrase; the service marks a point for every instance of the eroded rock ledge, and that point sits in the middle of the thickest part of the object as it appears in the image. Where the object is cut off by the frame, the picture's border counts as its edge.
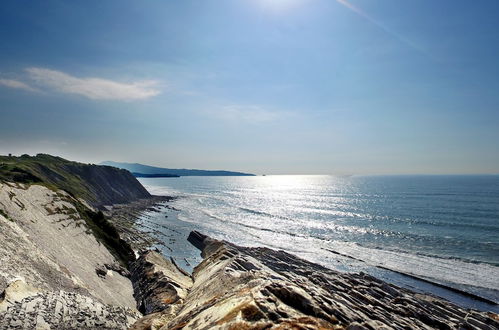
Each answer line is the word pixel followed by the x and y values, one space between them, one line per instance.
pixel 258 288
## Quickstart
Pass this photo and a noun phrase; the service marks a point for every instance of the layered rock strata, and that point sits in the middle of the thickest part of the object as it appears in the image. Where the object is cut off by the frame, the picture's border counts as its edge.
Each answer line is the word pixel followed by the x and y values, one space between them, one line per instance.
pixel 65 310
pixel 258 288
pixel 49 257
pixel 158 282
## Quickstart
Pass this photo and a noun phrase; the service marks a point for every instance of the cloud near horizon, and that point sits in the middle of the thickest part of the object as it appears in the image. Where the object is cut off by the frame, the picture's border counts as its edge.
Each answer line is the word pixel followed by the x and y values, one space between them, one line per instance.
pixel 93 88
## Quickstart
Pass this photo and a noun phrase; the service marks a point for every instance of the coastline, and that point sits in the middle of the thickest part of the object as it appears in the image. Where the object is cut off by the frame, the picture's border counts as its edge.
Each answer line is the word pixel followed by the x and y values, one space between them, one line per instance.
pixel 308 215
pixel 178 231
pixel 125 216
pixel 238 287
pixel 69 259
pixel 233 286
pixel 419 278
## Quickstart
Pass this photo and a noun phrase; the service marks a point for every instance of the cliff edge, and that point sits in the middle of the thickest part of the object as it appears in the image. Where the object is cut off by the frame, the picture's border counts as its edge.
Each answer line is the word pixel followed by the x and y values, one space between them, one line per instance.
pixel 97 185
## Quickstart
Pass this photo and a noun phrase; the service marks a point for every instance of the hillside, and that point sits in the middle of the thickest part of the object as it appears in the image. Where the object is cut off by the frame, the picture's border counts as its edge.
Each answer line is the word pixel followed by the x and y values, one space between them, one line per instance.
pixel 62 260
pixel 146 169
pixel 97 185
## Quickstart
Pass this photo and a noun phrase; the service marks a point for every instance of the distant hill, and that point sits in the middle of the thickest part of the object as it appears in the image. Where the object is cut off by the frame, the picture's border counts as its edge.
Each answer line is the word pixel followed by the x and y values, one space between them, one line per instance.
pixel 146 169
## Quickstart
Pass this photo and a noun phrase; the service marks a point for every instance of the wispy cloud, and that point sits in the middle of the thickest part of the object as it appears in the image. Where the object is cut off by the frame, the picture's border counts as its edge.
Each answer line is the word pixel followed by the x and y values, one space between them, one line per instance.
pixel 92 87
pixel 11 83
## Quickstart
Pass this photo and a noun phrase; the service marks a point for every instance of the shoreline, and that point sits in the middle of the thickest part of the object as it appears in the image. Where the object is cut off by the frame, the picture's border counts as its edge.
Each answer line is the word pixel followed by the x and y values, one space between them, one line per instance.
pixel 447 287
pixel 461 297
pixel 169 247
pixel 231 286
pixel 256 287
pixel 125 216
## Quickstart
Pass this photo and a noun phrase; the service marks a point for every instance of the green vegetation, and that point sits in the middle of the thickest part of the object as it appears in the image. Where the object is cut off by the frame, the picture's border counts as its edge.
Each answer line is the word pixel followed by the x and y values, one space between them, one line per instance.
pixel 50 171
pixel 107 234
pixel 97 185
pixel 5 215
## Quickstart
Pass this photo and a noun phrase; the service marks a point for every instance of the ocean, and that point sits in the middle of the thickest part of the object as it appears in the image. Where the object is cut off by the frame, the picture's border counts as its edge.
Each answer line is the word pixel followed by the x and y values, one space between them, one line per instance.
pixel 437 234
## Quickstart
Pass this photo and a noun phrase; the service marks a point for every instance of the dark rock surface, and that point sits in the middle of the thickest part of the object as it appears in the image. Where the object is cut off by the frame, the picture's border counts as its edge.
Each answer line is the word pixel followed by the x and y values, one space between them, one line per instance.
pixel 259 288
pixel 108 185
pixel 158 282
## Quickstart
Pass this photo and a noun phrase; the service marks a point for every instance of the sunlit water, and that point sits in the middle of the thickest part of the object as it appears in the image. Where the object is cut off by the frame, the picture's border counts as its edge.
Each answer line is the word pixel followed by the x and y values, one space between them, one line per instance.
pixel 441 228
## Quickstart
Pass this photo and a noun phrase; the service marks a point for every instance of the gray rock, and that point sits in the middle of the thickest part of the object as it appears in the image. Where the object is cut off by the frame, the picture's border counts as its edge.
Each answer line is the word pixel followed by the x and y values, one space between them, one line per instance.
pixel 65 310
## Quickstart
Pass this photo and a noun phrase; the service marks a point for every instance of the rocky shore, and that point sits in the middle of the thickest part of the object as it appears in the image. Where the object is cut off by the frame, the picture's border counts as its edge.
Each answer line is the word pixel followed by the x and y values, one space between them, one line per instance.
pixel 74 282
pixel 258 288
pixel 124 218
pixel 62 263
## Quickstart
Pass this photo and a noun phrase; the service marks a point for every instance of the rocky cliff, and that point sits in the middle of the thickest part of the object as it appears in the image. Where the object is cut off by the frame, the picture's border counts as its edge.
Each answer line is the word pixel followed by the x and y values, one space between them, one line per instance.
pixel 258 288
pixel 62 263
pixel 97 185
pixel 54 272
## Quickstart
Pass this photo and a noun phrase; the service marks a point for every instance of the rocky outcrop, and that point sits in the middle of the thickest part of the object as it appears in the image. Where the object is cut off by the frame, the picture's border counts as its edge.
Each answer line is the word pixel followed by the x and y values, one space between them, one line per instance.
pixel 63 310
pixel 258 288
pixel 48 246
pixel 124 218
pixel 158 282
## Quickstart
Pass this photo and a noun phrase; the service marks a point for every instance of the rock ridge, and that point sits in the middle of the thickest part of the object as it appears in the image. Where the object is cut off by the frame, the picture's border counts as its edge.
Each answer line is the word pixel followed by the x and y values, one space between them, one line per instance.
pixel 238 287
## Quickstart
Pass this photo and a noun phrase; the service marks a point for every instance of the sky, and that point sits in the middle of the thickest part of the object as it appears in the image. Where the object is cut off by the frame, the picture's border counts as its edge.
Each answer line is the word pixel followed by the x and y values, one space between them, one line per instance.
pixel 261 86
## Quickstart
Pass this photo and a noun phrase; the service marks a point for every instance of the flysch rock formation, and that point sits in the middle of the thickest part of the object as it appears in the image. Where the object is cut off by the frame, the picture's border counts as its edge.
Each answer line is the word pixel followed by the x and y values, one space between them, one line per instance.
pixel 65 310
pixel 54 274
pixel 259 288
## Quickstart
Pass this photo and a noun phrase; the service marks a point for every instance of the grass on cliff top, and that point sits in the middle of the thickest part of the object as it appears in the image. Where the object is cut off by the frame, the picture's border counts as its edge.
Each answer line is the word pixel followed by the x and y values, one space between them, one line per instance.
pixel 46 170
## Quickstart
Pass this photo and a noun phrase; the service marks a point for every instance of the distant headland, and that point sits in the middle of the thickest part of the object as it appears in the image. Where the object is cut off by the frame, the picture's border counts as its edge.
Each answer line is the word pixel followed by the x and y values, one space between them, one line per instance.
pixel 164 175
pixel 159 171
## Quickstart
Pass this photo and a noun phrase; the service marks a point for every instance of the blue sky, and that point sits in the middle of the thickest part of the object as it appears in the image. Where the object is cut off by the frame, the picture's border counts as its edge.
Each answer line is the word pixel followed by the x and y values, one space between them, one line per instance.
pixel 265 86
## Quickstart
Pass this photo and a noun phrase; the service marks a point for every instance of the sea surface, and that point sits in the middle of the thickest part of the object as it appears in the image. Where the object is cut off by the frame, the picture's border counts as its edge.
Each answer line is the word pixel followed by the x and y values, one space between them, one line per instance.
pixel 438 229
